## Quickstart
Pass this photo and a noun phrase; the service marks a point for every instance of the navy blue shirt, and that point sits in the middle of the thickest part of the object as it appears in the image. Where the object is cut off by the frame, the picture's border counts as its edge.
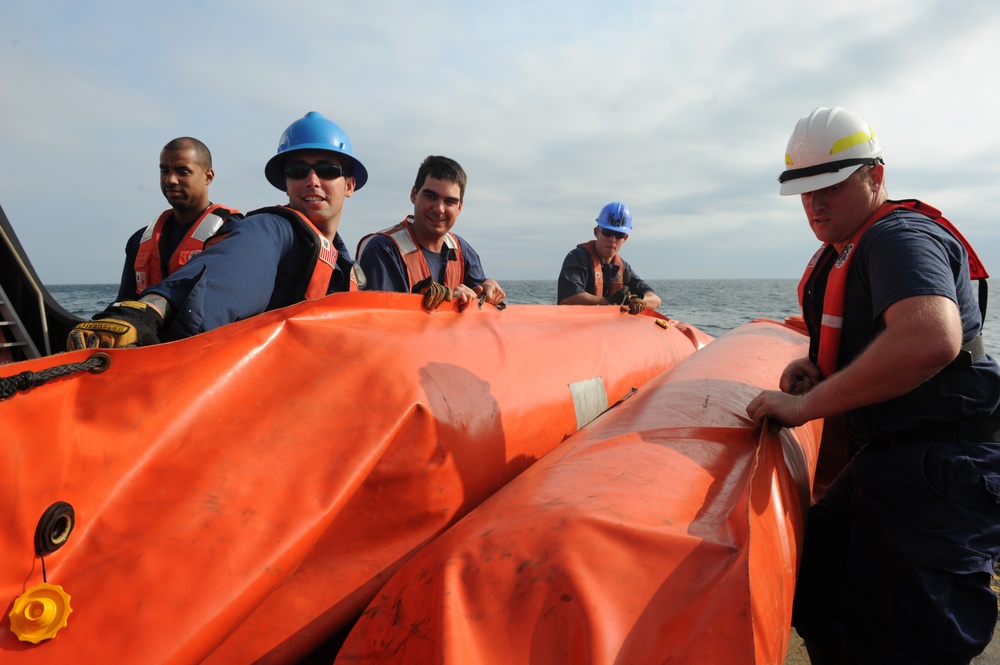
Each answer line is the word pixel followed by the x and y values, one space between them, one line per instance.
pixel 577 276
pixel 385 270
pixel 263 264
pixel 902 255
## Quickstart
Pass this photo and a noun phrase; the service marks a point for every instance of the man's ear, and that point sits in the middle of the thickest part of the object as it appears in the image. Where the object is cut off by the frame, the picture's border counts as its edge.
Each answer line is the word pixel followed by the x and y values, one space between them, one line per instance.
pixel 877 177
pixel 413 195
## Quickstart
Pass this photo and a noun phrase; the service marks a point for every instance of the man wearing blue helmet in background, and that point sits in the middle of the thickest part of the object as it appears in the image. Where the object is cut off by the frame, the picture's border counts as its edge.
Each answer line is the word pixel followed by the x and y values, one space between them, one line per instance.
pixel 595 274
pixel 275 257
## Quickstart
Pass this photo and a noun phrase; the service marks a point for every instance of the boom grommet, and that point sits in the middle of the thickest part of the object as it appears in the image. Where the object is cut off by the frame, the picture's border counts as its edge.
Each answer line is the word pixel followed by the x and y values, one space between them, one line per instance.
pixel 101 361
pixel 54 527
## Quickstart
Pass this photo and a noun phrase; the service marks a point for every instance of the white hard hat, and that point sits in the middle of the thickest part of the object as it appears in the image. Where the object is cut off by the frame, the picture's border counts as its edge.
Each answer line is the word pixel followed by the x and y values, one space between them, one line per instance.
pixel 827 146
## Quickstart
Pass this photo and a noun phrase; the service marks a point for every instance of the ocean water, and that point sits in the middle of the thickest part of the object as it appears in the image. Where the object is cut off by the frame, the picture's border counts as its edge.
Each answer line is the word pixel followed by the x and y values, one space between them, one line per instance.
pixel 712 305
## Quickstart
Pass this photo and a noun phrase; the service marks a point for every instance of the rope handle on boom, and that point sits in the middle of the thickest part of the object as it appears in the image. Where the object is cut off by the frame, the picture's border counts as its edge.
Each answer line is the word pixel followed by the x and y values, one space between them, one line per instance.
pixel 500 306
pixel 25 381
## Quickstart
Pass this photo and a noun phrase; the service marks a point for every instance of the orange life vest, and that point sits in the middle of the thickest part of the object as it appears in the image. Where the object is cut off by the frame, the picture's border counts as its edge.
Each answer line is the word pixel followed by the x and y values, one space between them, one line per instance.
pixel 832 320
pixel 409 249
pixel 324 254
pixel 149 265
pixel 619 279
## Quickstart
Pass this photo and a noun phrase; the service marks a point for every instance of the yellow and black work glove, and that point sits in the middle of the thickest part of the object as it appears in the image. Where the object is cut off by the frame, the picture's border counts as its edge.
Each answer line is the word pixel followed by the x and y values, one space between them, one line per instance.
pixel 128 323
pixel 620 297
pixel 635 305
pixel 434 293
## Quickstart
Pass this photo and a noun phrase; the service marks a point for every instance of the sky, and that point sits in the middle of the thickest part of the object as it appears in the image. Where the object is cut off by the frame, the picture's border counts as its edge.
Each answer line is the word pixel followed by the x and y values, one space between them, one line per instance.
pixel 680 109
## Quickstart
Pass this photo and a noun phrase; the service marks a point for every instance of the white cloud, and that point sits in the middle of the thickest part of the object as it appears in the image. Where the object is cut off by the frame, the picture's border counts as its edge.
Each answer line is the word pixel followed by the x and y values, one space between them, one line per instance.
pixel 679 109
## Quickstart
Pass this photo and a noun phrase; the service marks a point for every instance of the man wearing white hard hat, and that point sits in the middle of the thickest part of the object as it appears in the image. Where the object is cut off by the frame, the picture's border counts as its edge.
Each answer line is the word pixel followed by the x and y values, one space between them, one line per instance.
pixel 899 550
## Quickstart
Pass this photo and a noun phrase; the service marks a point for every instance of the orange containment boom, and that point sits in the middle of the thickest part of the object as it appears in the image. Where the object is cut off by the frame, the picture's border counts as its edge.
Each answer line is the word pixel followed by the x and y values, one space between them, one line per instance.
pixel 668 530
pixel 242 495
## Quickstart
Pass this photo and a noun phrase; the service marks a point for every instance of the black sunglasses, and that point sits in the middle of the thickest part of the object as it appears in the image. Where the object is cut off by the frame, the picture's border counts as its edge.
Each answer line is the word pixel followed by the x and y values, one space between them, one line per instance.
pixel 324 170
pixel 607 234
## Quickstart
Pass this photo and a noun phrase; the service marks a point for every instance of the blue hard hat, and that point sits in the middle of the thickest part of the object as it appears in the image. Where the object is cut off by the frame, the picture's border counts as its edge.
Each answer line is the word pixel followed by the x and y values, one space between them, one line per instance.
pixel 615 217
pixel 313 132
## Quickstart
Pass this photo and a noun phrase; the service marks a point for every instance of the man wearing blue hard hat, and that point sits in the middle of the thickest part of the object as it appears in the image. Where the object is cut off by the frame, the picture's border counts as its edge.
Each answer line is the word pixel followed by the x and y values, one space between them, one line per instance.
pixel 594 273
pixel 275 257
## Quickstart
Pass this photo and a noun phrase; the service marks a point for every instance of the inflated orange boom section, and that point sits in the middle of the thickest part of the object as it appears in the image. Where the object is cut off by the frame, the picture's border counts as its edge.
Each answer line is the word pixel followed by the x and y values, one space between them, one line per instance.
pixel 242 495
pixel 666 531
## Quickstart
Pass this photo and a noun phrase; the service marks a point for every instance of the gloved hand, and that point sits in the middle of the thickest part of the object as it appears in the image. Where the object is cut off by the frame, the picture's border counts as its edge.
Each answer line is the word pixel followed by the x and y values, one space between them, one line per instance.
pixel 635 305
pixel 129 323
pixel 434 293
pixel 620 297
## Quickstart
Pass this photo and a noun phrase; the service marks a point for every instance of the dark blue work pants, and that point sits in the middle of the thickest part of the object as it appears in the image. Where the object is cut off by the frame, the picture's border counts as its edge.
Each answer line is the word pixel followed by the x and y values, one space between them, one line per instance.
pixel 899 553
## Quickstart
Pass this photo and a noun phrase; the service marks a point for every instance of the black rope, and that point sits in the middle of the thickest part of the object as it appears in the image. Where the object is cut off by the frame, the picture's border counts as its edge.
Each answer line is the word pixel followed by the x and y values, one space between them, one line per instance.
pixel 25 381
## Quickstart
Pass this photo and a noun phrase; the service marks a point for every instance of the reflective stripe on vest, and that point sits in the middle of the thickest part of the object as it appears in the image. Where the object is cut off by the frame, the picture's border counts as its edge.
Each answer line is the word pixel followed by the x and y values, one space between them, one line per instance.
pixel 413 258
pixel 148 262
pixel 595 259
pixel 825 354
pixel 324 255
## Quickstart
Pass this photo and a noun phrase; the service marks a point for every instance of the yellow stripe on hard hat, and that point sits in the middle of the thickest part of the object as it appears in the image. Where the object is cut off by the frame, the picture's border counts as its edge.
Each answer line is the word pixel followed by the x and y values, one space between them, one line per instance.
pixel 857 138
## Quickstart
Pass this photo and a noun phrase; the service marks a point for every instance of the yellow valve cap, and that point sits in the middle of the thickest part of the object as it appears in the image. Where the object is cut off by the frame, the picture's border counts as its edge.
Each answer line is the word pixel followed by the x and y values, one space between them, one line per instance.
pixel 39 613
